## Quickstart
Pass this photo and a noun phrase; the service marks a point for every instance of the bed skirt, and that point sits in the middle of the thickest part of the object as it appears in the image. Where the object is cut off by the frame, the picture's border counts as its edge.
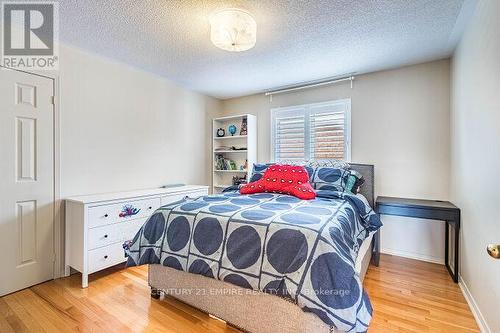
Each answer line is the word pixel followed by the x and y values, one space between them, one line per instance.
pixel 249 310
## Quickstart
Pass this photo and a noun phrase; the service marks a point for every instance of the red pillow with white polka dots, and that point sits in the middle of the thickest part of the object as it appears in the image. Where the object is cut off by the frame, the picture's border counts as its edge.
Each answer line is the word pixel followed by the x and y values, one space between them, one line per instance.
pixel 285 179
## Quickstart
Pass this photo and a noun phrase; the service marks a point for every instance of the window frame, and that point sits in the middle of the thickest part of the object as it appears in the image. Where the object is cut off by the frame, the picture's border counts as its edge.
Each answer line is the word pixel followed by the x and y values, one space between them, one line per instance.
pixel 305 109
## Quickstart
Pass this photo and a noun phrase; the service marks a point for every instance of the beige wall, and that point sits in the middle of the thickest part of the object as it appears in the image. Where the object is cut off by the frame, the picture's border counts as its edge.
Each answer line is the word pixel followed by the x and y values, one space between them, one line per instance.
pixel 123 128
pixel 475 143
pixel 400 123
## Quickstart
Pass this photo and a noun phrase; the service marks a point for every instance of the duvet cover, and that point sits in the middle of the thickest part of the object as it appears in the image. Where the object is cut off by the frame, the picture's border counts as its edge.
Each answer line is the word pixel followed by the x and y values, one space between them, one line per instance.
pixel 302 250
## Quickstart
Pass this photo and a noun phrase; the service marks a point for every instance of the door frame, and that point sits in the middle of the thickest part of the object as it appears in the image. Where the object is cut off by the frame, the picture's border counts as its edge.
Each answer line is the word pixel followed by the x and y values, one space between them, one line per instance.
pixel 58 214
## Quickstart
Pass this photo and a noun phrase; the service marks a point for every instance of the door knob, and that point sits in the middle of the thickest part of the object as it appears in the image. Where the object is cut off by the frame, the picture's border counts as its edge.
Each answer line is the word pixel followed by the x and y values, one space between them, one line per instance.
pixel 494 250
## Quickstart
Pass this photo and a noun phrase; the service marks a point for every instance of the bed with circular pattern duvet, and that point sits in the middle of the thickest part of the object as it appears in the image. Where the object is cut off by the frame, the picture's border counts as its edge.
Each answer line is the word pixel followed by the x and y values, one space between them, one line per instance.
pixel 303 251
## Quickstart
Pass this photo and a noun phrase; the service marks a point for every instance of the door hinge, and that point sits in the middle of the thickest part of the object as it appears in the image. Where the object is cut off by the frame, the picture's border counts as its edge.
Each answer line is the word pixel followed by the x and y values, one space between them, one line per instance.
pixel 54 257
pixel 52 100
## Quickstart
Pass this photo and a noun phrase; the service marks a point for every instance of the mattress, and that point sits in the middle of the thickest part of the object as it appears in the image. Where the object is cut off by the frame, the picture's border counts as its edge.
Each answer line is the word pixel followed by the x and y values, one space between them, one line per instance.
pixel 364 252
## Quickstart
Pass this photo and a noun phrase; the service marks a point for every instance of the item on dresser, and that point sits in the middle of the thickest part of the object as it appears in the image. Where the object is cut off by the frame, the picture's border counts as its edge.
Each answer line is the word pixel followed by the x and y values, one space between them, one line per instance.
pixel 97 225
pixel 173 185
pixel 129 210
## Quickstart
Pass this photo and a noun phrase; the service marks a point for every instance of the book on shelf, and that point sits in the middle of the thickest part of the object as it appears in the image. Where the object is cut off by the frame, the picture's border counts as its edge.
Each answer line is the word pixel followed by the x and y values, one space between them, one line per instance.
pixel 222 163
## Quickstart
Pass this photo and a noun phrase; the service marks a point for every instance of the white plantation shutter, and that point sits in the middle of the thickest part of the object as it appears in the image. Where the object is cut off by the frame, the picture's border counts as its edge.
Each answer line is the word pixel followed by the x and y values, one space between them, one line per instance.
pixel 290 138
pixel 328 131
pixel 312 132
pixel 289 135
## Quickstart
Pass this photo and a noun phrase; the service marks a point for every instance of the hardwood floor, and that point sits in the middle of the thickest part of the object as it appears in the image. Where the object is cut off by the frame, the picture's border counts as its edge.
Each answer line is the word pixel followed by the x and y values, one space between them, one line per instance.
pixel 415 296
pixel 407 296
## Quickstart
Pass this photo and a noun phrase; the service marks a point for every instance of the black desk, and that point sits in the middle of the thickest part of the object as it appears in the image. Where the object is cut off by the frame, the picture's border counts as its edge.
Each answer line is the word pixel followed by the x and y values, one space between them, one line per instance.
pixel 426 209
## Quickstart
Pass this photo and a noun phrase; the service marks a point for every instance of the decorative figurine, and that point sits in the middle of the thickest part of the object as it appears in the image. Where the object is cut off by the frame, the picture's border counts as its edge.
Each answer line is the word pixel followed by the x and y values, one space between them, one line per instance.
pixel 243 130
pixel 221 132
pixel 239 180
pixel 232 129
pixel 129 210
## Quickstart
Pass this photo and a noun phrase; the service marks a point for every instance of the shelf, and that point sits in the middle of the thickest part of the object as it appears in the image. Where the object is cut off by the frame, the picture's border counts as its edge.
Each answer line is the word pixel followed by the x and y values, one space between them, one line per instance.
pixel 234 171
pixel 224 119
pixel 230 137
pixel 230 151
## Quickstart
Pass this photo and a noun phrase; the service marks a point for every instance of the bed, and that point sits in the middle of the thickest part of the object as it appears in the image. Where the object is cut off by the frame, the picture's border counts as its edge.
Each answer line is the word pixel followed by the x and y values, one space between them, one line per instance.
pixel 275 264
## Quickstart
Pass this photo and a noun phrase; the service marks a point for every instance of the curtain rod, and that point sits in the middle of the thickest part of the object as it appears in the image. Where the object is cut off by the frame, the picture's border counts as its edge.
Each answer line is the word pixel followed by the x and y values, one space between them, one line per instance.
pixel 310 85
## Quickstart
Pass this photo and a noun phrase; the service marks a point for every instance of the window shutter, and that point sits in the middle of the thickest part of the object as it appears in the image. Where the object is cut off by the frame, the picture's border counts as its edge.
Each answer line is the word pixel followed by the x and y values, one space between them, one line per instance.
pixel 327 130
pixel 289 137
pixel 311 132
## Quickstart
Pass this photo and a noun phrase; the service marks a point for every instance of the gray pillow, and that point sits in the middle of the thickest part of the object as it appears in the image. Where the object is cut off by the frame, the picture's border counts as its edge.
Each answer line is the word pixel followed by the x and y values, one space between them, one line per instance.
pixel 328 178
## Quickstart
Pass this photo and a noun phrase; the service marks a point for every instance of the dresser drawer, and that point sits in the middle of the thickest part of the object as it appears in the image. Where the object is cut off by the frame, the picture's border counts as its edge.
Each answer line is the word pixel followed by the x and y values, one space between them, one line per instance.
pixel 106 256
pixel 176 197
pixel 118 212
pixel 112 233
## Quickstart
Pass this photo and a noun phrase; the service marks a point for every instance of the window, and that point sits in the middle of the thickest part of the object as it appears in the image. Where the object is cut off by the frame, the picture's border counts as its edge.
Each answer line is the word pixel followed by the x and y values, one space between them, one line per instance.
pixel 312 132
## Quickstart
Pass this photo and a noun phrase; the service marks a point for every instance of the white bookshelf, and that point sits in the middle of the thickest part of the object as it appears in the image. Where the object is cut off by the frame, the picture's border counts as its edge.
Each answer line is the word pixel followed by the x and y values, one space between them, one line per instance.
pixel 222 146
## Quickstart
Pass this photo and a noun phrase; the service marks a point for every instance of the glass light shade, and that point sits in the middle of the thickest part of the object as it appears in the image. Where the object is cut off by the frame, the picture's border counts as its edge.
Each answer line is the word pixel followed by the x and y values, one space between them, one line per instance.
pixel 233 30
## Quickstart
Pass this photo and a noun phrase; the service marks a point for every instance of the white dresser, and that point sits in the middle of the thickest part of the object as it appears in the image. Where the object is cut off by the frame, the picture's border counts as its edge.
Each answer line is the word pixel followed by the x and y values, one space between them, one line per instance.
pixel 97 225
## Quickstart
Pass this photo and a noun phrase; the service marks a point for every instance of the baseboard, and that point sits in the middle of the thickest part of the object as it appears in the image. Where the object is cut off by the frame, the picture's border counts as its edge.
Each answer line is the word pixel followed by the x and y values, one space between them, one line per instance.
pixel 412 255
pixel 481 322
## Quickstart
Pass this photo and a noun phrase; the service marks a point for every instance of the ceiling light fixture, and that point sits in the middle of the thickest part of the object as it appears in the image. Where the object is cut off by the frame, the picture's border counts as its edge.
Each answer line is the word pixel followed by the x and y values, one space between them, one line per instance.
pixel 233 30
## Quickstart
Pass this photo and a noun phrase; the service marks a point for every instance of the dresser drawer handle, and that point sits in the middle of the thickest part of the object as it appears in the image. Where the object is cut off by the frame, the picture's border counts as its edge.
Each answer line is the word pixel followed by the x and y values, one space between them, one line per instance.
pixel 106 215
pixel 150 207
pixel 105 236
pixel 106 257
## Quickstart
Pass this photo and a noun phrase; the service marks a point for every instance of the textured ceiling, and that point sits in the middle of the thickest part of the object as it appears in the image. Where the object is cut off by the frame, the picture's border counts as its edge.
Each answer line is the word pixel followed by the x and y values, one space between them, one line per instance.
pixel 297 40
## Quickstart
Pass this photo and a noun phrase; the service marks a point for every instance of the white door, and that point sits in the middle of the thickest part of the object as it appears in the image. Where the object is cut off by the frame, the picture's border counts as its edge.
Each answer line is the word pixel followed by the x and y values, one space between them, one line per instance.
pixel 26 180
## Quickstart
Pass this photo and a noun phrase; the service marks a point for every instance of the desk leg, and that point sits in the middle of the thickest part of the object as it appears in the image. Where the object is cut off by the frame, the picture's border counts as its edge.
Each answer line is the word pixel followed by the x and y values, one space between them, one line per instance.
pixel 454 273
pixel 376 249
pixel 457 251
pixel 446 244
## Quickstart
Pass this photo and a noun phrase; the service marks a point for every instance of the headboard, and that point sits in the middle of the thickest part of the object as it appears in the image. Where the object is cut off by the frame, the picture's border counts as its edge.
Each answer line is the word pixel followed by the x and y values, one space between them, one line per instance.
pixel 368 188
